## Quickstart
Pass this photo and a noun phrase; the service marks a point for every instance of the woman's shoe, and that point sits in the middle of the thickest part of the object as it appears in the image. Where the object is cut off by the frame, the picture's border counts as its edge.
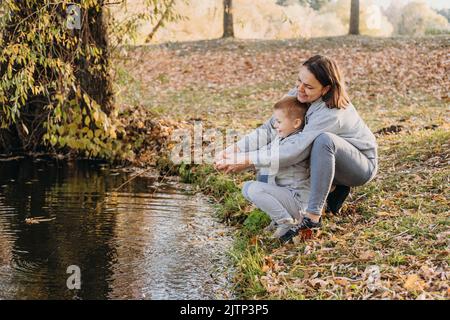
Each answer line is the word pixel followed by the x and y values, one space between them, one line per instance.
pixel 336 199
pixel 306 223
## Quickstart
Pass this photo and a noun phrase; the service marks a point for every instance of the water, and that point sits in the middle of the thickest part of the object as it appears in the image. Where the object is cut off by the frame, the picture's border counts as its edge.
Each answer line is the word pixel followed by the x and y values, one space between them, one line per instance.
pixel 151 239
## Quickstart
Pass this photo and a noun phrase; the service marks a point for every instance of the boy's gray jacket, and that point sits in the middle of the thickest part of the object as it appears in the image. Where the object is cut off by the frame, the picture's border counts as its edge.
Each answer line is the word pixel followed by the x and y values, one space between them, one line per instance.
pixel 345 123
pixel 294 177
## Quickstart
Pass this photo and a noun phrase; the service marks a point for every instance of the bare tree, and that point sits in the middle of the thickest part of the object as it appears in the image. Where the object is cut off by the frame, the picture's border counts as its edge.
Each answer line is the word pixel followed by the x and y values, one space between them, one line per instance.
pixel 354 17
pixel 228 30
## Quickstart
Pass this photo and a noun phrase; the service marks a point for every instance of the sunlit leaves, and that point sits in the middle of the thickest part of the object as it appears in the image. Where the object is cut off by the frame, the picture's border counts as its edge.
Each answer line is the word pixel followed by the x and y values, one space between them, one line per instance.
pixel 42 62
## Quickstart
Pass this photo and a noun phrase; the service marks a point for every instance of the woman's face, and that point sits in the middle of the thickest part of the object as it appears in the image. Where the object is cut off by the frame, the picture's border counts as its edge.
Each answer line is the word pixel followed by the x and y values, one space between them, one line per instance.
pixel 309 88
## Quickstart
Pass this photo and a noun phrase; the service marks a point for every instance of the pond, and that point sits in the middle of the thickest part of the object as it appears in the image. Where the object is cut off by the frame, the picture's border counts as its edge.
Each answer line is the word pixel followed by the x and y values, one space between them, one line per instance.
pixel 153 238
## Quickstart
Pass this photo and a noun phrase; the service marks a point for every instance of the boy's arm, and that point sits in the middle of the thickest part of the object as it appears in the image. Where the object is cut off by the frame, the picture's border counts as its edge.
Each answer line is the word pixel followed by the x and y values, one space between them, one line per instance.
pixel 258 138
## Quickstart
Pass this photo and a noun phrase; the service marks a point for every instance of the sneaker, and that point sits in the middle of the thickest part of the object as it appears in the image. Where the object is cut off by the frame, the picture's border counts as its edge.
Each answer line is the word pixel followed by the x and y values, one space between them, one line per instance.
pixel 271 227
pixel 336 199
pixel 282 229
pixel 306 223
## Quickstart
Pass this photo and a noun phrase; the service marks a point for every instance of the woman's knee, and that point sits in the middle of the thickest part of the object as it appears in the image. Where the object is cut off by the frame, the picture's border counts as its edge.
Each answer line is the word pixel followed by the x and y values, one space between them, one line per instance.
pixel 324 141
pixel 325 138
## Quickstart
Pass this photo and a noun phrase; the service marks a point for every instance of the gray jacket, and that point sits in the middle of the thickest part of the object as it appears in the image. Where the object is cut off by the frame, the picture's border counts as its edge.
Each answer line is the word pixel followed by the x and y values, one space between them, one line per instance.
pixel 295 176
pixel 345 123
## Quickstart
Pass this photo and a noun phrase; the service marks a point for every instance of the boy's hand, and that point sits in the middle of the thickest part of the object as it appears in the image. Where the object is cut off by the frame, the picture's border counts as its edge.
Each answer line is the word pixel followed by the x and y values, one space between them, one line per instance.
pixel 233 163
pixel 236 168
pixel 220 156
pixel 226 153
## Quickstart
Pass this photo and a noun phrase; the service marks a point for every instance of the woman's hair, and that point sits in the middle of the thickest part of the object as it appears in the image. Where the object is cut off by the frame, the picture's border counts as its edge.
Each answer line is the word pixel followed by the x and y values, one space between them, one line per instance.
pixel 292 108
pixel 327 73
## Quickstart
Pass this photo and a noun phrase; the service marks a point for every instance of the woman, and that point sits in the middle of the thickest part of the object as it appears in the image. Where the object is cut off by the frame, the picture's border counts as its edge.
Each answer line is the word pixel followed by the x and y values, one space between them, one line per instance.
pixel 342 149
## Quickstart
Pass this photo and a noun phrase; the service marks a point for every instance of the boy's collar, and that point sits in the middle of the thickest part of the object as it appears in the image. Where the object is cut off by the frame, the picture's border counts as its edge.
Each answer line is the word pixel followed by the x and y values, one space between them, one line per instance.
pixel 291 134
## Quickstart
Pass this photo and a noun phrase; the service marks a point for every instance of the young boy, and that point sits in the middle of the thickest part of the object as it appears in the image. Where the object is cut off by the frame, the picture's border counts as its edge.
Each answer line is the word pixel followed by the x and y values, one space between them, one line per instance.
pixel 282 193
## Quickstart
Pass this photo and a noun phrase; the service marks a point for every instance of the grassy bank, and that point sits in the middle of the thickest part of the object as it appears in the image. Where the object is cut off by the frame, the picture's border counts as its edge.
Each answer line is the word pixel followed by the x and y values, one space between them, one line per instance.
pixel 399 222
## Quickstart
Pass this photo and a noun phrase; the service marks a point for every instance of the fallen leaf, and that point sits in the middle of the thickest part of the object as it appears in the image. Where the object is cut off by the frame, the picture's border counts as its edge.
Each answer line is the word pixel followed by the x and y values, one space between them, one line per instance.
pixel 427 272
pixel 384 214
pixel 318 283
pixel 341 281
pixel 367 255
pixel 414 284
pixel 36 220
pixel 265 268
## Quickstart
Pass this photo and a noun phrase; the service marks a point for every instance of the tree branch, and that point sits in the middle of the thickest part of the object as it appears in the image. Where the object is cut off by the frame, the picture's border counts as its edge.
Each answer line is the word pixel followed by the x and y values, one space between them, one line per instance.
pixel 160 22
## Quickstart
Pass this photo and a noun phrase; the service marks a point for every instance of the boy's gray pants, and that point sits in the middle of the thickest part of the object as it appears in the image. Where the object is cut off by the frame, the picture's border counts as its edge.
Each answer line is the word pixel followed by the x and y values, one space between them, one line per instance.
pixel 280 203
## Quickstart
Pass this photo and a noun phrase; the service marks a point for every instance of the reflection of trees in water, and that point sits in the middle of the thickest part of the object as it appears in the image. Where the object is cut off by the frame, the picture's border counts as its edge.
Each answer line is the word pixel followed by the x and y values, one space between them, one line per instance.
pixel 129 242
pixel 79 235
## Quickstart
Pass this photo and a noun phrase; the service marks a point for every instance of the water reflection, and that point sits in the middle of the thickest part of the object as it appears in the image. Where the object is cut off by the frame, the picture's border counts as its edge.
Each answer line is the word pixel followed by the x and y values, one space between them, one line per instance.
pixel 148 240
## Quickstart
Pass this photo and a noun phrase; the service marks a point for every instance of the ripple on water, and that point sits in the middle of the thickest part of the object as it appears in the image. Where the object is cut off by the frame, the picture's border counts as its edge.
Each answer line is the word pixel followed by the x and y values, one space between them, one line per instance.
pixel 139 243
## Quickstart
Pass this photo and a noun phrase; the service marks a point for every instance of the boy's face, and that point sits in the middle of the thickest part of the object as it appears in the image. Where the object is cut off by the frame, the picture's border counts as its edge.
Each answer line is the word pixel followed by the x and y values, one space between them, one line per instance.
pixel 284 124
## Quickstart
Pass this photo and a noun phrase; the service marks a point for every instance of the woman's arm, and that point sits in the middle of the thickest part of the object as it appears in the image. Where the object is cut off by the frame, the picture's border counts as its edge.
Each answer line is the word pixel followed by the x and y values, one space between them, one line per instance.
pixel 226 152
pixel 287 154
pixel 292 152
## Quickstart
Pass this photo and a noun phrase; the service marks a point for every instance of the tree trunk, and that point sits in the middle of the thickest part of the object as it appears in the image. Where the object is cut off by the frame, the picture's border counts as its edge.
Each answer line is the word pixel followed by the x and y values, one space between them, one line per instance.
pixel 96 84
pixel 354 17
pixel 228 30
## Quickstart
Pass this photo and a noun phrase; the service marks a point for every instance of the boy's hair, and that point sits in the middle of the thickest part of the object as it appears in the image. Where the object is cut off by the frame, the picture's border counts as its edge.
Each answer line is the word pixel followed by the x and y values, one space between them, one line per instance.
pixel 292 108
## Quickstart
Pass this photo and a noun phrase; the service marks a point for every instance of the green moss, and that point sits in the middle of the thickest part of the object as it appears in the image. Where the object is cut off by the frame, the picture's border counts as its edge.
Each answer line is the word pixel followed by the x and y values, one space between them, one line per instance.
pixel 255 221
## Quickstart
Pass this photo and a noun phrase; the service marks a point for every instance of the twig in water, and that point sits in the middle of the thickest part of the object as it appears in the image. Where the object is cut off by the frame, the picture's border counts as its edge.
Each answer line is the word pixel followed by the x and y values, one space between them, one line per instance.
pixel 132 178
pixel 97 207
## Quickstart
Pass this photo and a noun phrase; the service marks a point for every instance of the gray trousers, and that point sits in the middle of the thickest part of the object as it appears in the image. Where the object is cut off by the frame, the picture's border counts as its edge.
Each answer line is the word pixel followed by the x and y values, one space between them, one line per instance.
pixel 280 203
pixel 336 161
